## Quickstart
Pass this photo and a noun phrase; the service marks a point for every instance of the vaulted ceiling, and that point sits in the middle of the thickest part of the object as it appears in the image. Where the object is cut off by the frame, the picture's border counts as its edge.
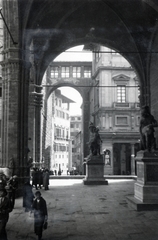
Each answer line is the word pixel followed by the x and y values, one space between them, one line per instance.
pixel 128 26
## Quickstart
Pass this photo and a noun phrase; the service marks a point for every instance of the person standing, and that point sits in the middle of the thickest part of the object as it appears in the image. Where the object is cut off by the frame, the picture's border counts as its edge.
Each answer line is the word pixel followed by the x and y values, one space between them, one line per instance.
pixel 35 178
pixel 40 214
pixel 13 181
pixel 28 196
pixel 46 179
pixel 5 209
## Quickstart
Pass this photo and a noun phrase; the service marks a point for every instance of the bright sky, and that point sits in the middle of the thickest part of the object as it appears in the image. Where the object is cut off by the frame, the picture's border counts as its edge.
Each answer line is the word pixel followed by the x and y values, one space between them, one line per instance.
pixel 74 54
pixel 71 93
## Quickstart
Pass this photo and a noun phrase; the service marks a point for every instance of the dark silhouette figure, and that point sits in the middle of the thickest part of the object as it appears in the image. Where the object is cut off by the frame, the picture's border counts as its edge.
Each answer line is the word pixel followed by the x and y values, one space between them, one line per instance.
pixel 147 124
pixel 3 180
pixel 95 140
pixel 40 214
pixel 35 178
pixel 46 179
pixel 40 176
pixel 13 183
pixel 27 196
pixel 5 209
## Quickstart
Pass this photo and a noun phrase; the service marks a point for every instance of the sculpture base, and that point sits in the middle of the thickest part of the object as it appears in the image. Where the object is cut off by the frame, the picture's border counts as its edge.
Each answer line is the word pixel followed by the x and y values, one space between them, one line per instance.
pixel 146 187
pixel 95 171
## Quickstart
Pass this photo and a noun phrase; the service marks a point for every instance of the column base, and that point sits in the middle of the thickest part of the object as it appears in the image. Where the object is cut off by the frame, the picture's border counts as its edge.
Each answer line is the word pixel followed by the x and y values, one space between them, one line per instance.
pixel 141 206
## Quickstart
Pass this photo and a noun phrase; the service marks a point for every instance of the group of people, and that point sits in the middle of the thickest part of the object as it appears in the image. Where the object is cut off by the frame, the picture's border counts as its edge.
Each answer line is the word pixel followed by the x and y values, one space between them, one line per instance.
pixel 31 202
pixel 40 177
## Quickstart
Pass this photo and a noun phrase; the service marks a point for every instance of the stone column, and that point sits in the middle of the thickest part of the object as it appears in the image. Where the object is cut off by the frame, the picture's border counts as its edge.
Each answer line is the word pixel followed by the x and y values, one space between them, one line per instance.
pixel 85 114
pixel 10 109
pixel 34 129
pixel 132 159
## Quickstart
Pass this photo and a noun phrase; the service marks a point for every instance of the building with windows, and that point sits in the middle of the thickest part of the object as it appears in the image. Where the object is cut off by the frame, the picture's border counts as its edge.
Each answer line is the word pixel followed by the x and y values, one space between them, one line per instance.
pixel 114 108
pixel 80 74
pixel 60 159
pixel 57 150
pixel 76 136
pixel 66 70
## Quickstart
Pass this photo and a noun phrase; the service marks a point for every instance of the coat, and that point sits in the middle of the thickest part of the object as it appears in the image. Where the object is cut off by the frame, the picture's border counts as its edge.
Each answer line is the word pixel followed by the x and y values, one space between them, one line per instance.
pixel 40 213
pixel 46 179
pixel 27 196
pixel 5 208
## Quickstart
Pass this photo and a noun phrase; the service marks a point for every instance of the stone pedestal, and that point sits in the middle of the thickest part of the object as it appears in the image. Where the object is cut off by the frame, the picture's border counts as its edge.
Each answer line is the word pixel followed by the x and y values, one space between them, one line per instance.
pixel 146 187
pixel 95 171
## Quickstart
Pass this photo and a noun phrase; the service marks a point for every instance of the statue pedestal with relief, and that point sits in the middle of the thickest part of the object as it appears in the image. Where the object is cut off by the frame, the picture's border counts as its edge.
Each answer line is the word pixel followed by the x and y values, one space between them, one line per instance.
pixel 95 171
pixel 146 187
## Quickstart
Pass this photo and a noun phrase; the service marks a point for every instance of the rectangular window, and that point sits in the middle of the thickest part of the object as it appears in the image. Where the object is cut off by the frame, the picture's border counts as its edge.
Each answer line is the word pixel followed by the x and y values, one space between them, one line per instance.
pixel 76 72
pixel 67 134
pixel 121 94
pixel 58 132
pixel 87 72
pixel 54 72
pixel 121 120
pixel 65 72
pixel 0 92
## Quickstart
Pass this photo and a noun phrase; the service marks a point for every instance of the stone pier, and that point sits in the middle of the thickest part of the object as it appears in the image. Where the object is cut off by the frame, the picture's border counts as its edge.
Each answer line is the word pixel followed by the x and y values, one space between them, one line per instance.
pixel 146 187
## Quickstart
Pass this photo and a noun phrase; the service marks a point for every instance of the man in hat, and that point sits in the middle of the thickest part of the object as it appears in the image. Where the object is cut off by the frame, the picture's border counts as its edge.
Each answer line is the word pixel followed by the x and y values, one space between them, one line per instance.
pixel 5 209
pixel 40 214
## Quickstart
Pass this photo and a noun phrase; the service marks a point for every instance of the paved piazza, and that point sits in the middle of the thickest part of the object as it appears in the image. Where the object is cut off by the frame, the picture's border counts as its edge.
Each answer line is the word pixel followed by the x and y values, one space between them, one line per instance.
pixel 80 212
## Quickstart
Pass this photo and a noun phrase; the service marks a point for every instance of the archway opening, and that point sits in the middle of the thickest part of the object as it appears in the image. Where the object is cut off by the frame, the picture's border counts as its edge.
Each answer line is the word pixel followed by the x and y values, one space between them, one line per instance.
pixel 109 87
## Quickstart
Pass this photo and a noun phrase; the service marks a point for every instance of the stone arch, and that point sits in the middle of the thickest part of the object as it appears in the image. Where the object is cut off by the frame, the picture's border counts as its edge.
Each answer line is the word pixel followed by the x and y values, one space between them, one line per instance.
pixel 54 26
pixel 85 109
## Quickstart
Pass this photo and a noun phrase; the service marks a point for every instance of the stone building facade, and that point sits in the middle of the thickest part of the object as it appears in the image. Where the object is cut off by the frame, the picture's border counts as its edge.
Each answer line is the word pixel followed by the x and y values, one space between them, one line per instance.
pixel 77 142
pixel 115 109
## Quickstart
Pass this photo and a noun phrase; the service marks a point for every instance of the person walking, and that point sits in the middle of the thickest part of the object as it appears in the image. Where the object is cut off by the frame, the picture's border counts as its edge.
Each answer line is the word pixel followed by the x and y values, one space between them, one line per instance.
pixel 40 214
pixel 5 209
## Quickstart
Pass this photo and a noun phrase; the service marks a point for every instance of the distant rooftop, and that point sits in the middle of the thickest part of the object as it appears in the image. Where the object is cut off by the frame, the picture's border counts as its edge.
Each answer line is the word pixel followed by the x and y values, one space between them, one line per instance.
pixel 64 99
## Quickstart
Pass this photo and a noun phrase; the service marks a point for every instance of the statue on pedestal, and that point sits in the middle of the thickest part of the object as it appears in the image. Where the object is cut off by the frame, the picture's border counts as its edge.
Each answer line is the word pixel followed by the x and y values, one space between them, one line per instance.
pixel 147 125
pixel 95 140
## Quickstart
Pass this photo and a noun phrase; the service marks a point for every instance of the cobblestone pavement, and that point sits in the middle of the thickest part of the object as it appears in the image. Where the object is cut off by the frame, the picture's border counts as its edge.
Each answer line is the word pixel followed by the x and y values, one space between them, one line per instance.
pixel 80 212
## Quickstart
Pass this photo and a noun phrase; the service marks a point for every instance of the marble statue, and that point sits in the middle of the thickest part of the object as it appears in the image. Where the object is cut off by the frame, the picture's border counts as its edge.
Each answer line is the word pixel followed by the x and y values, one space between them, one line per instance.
pixel 147 125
